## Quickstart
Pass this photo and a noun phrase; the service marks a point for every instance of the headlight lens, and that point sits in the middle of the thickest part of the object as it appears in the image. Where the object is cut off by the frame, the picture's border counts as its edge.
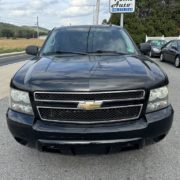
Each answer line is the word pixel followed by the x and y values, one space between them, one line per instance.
pixel 156 50
pixel 20 102
pixel 158 99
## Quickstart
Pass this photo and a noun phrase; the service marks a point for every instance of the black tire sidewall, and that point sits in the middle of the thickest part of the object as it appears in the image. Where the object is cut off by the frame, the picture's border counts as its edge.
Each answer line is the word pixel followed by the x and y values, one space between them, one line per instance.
pixel 175 62
pixel 161 57
pixel 150 53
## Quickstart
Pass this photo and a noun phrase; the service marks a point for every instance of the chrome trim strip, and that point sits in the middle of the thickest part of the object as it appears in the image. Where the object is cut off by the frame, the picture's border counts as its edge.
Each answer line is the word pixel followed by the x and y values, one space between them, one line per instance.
pixel 93 122
pixel 85 142
pixel 76 101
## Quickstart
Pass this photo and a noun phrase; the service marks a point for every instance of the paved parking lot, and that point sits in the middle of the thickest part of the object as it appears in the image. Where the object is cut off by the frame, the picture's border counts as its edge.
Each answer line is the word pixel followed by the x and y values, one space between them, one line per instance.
pixel 6 72
pixel 155 162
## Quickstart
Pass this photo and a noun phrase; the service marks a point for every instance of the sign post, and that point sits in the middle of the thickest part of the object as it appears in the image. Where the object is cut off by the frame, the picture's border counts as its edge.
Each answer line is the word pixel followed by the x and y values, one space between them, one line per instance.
pixel 122 6
pixel 122 20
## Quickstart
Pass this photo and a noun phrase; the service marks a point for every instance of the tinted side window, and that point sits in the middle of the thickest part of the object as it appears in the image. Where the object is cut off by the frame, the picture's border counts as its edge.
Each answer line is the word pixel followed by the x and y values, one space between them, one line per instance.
pixel 168 45
pixel 178 45
pixel 174 44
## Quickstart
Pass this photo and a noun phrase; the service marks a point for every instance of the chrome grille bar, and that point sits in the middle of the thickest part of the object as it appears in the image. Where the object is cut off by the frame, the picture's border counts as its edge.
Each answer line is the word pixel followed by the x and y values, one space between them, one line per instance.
pixel 49 94
pixel 92 121
pixel 55 106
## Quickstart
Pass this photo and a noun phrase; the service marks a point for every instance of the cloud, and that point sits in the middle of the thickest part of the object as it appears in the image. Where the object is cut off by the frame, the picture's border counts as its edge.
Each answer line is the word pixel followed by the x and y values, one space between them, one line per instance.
pixel 55 12
pixel 74 12
pixel 80 2
pixel 74 8
pixel 19 13
pixel 32 7
pixel 39 4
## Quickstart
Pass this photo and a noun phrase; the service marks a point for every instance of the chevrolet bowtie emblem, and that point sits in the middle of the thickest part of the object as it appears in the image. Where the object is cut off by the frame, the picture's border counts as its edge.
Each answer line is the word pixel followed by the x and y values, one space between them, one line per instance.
pixel 90 105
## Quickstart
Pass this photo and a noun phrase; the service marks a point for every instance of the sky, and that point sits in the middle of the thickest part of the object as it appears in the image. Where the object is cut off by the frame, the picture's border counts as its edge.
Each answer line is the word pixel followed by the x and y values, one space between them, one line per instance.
pixel 51 13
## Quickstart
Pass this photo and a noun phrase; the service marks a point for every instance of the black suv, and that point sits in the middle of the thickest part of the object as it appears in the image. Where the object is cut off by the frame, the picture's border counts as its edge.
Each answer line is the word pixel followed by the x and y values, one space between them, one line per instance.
pixel 89 88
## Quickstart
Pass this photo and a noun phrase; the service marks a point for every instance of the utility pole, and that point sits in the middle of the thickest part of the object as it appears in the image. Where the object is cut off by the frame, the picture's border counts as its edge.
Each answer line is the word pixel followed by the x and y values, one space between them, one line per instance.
pixel 94 9
pixel 122 20
pixel 97 11
pixel 37 27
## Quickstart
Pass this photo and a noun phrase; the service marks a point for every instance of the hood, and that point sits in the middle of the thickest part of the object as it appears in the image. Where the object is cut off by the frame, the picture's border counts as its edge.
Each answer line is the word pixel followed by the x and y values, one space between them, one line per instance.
pixel 157 47
pixel 89 73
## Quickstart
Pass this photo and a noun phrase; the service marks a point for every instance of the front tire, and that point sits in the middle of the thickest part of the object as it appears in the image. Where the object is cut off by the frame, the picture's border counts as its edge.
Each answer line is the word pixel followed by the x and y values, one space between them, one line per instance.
pixel 177 62
pixel 162 57
pixel 150 54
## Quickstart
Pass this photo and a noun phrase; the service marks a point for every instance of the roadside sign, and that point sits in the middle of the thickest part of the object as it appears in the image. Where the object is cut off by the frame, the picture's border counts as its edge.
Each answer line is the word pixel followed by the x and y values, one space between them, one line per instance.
pixel 122 6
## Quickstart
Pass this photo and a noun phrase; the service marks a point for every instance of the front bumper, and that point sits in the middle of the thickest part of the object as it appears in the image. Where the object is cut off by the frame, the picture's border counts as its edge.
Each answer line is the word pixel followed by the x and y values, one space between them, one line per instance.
pixel 48 135
pixel 155 53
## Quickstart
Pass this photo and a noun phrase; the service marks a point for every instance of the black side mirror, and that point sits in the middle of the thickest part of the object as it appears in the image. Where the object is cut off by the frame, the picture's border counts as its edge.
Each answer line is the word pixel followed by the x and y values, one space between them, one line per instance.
pixel 32 50
pixel 145 48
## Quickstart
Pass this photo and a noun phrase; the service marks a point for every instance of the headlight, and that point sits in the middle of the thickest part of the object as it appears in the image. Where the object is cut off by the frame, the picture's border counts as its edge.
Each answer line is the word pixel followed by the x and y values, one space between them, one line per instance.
pixel 158 99
pixel 156 50
pixel 20 102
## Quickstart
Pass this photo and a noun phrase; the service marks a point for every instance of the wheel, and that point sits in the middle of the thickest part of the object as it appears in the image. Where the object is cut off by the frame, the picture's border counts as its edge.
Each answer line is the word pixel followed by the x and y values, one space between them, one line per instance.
pixel 177 62
pixel 161 57
pixel 150 54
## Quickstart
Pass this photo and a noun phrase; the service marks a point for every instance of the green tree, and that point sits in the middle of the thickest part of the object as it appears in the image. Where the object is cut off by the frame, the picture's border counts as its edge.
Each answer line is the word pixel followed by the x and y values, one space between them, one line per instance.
pixel 7 33
pixel 104 21
pixel 152 18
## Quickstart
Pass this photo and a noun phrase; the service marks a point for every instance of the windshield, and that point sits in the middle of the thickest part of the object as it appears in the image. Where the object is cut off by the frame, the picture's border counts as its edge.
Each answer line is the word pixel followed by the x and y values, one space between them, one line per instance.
pixel 158 43
pixel 89 40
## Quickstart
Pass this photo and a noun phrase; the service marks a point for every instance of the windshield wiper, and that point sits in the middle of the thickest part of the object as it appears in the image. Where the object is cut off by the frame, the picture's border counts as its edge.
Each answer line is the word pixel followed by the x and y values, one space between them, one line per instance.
pixel 111 52
pixel 63 52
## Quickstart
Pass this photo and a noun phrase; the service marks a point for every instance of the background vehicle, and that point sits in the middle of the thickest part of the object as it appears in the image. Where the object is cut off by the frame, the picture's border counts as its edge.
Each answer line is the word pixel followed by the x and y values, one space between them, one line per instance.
pixel 171 53
pixel 156 46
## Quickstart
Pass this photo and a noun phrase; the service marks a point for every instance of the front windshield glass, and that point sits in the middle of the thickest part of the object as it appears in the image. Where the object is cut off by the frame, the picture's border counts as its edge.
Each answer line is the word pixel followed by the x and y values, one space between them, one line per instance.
pixel 89 40
pixel 158 43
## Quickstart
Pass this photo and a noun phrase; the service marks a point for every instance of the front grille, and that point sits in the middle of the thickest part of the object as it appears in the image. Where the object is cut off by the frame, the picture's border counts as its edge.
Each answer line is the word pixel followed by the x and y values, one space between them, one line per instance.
pixel 115 106
pixel 92 116
pixel 83 96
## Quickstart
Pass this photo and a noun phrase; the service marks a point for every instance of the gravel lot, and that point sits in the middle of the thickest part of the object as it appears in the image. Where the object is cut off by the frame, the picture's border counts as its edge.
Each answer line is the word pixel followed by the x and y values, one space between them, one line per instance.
pixel 155 162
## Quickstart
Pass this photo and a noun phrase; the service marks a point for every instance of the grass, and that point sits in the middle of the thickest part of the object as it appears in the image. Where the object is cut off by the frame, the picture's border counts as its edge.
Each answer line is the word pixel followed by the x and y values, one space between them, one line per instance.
pixel 17 45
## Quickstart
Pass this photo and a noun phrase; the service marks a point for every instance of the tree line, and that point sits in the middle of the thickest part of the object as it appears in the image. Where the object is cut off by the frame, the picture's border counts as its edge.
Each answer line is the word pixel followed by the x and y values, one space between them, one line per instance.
pixel 12 31
pixel 8 33
pixel 152 18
